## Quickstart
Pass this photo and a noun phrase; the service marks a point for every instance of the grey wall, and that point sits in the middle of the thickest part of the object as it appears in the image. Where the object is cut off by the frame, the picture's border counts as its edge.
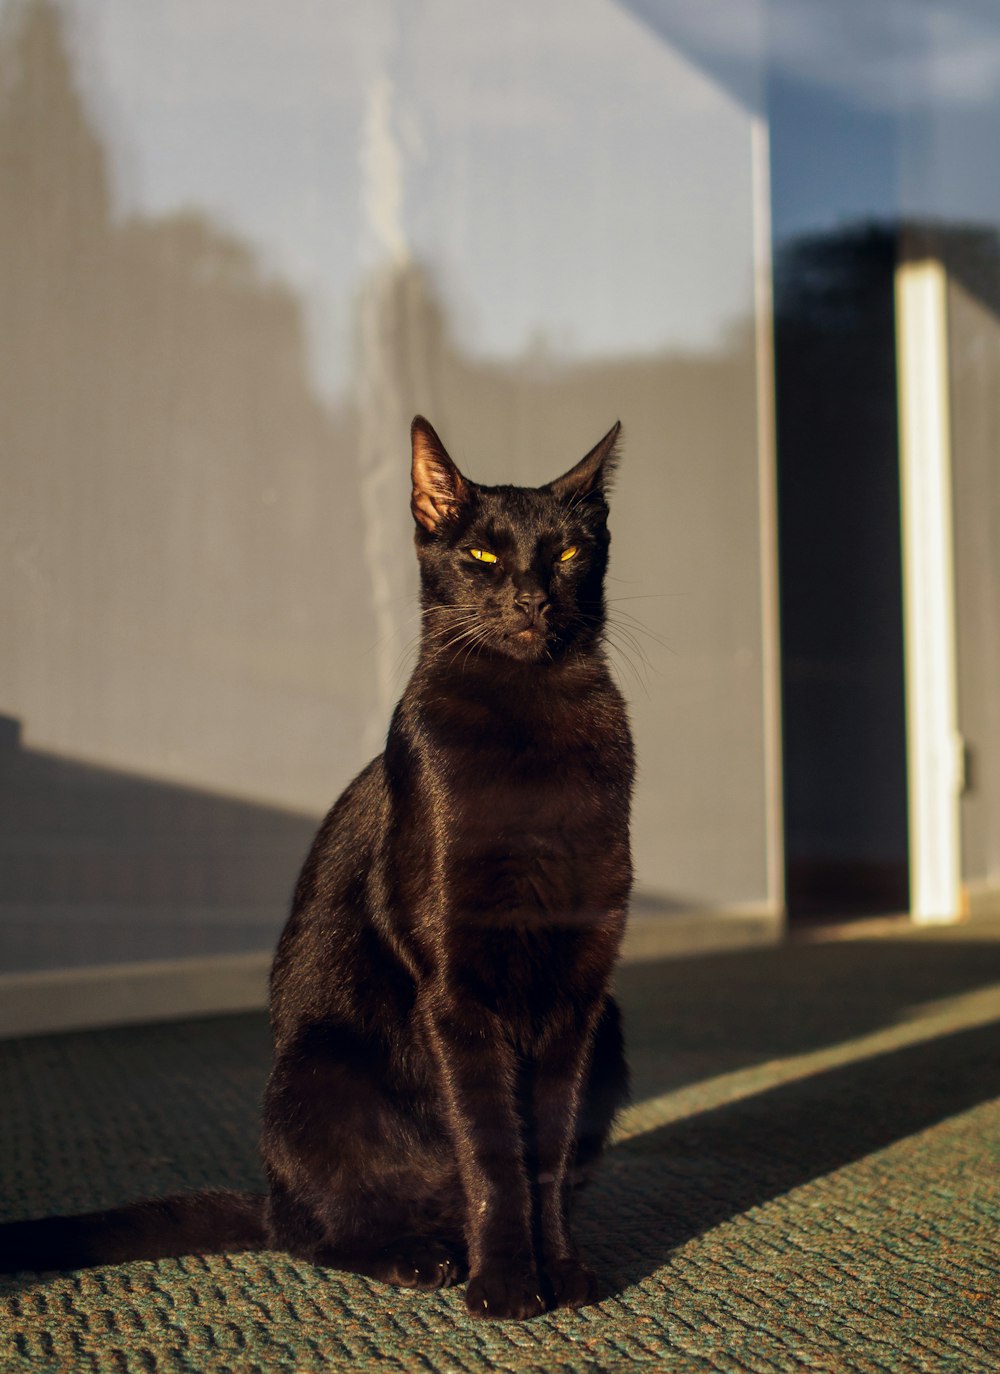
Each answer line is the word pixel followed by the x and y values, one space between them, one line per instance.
pixel 239 247
pixel 974 342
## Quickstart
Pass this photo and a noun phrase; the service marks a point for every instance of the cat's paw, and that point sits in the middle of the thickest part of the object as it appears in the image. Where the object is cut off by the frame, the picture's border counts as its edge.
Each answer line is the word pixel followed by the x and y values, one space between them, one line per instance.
pixel 422 1264
pixel 571 1284
pixel 498 1293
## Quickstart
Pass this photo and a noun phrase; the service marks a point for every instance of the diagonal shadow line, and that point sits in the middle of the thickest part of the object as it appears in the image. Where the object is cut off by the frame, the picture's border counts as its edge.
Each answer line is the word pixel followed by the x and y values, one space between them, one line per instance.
pixel 658 1190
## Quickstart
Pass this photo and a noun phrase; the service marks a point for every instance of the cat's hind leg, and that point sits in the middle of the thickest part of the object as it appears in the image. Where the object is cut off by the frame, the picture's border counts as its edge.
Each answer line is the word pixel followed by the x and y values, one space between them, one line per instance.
pixel 606 1092
pixel 382 1246
pixel 359 1180
pixel 381 1249
pixel 410 1237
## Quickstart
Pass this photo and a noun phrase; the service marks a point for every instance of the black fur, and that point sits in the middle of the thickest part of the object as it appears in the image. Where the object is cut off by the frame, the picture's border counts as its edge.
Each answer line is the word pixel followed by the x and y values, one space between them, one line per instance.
pixel 448 1060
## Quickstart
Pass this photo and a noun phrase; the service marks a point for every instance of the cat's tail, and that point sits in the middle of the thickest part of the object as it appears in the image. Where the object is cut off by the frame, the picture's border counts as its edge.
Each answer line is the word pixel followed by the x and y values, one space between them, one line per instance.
pixel 156 1228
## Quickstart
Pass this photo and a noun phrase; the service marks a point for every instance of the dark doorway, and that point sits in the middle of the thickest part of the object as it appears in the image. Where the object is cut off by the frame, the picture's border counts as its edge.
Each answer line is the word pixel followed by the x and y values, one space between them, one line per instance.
pixel 844 730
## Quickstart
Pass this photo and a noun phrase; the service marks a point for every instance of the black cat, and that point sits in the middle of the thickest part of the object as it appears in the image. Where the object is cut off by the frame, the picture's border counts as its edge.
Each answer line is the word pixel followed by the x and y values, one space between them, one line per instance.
pixel 448 1059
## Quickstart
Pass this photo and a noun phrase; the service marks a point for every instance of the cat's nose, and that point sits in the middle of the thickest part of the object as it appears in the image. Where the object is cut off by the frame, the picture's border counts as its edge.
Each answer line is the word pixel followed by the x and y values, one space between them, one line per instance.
pixel 532 603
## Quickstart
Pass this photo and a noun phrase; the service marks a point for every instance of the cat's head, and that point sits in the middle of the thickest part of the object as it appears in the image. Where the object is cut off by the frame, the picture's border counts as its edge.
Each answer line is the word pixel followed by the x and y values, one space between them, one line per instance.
pixel 509 572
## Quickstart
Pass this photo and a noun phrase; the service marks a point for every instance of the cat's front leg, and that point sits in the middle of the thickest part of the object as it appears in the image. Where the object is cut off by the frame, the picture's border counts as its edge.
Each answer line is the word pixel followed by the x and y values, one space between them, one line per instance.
pixel 478 1072
pixel 557 1091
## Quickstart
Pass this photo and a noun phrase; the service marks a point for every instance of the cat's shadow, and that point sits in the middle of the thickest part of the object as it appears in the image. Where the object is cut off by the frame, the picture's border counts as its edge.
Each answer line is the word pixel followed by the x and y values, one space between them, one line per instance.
pixel 660 1189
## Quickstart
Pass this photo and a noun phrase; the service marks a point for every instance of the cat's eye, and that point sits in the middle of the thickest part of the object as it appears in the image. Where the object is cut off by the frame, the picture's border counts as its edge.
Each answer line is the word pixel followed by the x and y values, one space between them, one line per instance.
pixel 569 553
pixel 483 555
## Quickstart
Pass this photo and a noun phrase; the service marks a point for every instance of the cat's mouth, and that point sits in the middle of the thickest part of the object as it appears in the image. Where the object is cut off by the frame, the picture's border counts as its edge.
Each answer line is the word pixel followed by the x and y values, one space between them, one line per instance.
pixel 530 642
pixel 533 636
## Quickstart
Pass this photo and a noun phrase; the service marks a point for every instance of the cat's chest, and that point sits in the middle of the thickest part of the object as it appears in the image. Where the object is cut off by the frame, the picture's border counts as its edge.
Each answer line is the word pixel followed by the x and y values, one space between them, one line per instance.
pixel 530 826
pixel 528 778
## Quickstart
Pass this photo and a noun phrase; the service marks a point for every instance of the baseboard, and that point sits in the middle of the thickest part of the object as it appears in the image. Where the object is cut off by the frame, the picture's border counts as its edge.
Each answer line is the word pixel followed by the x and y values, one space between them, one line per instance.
pixel 48 1001
pixel 125 994
pixel 657 931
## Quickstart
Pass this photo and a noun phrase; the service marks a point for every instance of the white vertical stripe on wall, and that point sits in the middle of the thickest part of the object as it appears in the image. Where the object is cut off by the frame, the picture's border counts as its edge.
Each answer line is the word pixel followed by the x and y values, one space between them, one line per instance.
pixel 934 747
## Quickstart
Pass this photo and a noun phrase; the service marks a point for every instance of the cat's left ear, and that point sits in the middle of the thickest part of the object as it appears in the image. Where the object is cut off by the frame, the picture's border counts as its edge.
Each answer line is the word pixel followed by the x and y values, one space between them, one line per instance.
pixel 439 489
pixel 592 474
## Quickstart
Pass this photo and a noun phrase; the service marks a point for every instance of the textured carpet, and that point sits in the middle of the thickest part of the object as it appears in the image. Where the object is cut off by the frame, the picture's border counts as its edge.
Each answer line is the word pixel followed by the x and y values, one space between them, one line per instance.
pixel 809 1179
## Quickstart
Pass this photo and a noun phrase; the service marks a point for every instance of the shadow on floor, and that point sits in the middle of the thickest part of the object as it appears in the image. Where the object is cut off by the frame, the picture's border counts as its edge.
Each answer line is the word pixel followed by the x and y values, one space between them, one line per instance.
pixel 661 1189
pixel 689 1019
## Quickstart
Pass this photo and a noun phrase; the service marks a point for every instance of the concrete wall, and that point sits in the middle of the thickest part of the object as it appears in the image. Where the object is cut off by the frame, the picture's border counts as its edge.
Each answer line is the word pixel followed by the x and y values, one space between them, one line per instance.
pixel 239 246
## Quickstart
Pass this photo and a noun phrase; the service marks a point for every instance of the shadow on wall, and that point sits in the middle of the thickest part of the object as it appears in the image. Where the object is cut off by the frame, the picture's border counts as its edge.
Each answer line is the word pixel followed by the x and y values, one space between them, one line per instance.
pixel 100 867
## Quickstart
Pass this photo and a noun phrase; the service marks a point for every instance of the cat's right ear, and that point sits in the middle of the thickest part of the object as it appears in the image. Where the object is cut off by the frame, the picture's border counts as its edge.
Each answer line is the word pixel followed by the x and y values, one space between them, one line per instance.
pixel 439 489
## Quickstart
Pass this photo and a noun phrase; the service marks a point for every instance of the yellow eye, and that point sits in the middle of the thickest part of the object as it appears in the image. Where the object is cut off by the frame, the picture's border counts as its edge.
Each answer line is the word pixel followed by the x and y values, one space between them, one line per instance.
pixel 569 553
pixel 483 555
